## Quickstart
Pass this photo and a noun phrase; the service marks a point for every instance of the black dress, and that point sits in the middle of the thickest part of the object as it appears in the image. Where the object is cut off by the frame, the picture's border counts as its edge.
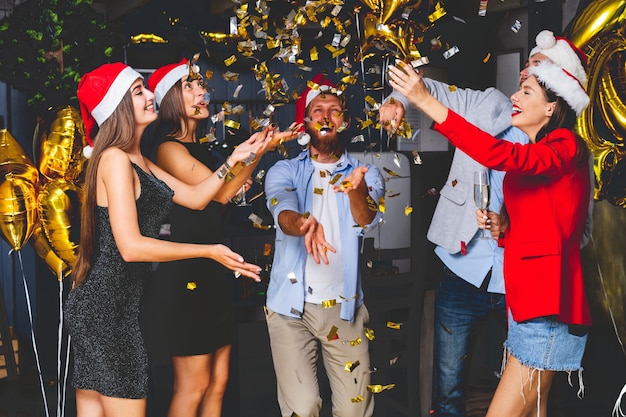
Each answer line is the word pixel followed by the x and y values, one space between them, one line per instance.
pixel 197 293
pixel 102 314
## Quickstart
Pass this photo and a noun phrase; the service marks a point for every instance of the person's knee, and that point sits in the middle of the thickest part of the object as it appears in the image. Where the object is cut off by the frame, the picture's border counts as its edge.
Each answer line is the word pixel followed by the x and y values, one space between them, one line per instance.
pixel 308 406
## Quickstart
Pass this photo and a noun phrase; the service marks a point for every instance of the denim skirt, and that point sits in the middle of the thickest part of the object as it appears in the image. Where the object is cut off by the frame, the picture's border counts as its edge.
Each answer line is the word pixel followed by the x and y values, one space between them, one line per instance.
pixel 546 343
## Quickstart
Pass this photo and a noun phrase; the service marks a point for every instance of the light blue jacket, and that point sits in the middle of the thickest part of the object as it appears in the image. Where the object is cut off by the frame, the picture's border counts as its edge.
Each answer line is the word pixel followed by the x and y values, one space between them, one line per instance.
pixel 288 186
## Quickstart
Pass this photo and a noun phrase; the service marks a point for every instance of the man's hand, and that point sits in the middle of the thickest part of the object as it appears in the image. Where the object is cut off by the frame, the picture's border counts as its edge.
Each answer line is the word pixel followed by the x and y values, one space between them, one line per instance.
pixel 314 240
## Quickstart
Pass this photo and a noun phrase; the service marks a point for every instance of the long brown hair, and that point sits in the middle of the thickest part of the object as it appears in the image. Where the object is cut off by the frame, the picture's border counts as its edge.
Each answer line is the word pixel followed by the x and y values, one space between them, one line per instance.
pixel 116 131
pixel 171 110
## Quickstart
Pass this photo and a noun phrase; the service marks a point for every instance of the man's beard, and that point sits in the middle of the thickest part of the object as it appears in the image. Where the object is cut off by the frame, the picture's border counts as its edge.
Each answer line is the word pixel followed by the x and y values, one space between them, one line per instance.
pixel 328 144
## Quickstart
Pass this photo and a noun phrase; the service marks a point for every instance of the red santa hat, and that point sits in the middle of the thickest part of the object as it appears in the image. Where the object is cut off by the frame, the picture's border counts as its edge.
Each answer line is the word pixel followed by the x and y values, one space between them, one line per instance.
pixel 562 83
pixel 165 77
pixel 564 53
pixel 318 85
pixel 100 92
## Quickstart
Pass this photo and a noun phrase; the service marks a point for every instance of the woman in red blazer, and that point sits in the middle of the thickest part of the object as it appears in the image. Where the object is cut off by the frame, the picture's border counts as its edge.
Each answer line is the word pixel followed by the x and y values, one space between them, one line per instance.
pixel 546 194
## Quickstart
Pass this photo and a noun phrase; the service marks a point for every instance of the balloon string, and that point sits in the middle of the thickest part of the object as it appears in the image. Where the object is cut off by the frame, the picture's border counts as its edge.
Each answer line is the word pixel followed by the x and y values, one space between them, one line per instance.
pixel 67 365
pixel 607 297
pixel 32 333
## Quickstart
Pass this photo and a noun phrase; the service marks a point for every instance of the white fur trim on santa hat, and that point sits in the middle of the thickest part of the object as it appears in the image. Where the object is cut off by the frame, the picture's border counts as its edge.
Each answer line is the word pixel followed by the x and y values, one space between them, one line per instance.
pixel 562 83
pixel 168 81
pixel 314 92
pixel 560 51
pixel 114 94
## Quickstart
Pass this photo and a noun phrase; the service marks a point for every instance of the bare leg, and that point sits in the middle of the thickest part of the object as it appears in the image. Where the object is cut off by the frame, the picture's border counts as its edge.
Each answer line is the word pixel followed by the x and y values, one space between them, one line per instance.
pixel 516 395
pixel 191 380
pixel 93 404
pixel 214 397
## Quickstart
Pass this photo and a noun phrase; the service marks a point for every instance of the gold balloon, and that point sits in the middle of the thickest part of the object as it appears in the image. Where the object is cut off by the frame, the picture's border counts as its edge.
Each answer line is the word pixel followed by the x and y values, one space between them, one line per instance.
pixel 14 160
pixel 59 204
pixel 61 146
pixel 599 31
pixel 45 252
pixel 395 38
pixel 604 259
pixel 18 209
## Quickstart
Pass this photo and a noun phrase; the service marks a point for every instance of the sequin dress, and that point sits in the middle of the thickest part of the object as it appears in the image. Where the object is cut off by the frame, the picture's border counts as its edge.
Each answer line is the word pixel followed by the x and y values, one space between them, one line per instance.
pixel 102 314
pixel 199 313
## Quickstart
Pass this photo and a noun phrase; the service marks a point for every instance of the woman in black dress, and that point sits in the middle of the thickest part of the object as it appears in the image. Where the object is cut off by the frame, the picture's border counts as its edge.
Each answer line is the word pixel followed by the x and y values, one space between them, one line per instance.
pixel 126 199
pixel 200 322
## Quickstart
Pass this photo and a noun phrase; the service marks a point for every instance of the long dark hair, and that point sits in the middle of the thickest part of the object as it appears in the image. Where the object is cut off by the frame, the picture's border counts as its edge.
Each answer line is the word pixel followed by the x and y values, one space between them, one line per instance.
pixel 563 116
pixel 116 131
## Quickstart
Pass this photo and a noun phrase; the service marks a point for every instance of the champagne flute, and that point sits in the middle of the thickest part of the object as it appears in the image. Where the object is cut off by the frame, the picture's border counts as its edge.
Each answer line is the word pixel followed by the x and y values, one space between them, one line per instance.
pixel 481 194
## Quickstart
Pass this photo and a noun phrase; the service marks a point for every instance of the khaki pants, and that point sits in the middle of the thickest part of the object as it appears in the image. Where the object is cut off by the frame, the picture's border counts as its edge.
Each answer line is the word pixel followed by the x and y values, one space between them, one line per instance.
pixel 295 351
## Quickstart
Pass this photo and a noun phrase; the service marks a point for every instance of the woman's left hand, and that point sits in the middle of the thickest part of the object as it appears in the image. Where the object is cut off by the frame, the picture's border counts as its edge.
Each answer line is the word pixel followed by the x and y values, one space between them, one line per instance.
pixel 278 137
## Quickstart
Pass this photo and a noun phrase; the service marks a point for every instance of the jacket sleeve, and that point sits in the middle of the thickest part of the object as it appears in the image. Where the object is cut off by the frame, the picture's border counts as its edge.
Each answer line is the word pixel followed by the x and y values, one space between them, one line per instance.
pixel 490 109
pixel 549 157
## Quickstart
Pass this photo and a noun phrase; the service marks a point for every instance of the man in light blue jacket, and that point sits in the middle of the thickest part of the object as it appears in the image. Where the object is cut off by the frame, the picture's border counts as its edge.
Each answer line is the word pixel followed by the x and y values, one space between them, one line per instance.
pixel 321 201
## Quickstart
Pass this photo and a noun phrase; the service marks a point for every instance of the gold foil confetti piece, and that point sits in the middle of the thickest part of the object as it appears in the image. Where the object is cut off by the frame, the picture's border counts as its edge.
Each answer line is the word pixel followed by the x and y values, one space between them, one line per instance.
pixel 381 204
pixel 371 204
pixel 232 124
pixel 408 210
pixel 230 76
pixel 318 191
pixel 196 110
pixel 318 126
pixel 393 195
pixel 371 101
pixel 376 389
pixel 323 174
pixel 267 249
pixel 351 366
pixel 257 195
pixel 294 414
pixel 395 326
pixel 354 297
pixel 332 335
pixel 355 342
pixel 329 303
pixel 292 277
pixel 230 60
pixel 369 333
pixel 314 54
pixel 345 184
pixel 390 172
pixel 343 127
pixel 362 124
pixel 306 215
pixel 437 14
pixel 273 201
pixel 487 58
pixel 452 88
pixel 454 183
pixel 334 180
pixel 260 226
pixel 191 285
pixel 357 399
pixel 314 157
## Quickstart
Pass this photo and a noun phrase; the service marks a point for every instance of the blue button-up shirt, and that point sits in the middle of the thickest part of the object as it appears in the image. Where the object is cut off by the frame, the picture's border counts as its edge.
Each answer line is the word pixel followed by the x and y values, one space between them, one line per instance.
pixel 484 254
pixel 288 186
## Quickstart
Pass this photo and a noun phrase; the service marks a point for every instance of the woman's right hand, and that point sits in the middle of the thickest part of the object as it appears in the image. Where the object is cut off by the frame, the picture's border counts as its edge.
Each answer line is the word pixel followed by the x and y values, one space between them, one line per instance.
pixel 251 149
pixel 489 220
pixel 233 261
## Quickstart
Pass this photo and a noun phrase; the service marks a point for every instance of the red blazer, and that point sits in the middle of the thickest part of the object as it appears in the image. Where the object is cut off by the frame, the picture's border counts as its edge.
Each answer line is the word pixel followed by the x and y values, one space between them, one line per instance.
pixel 546 192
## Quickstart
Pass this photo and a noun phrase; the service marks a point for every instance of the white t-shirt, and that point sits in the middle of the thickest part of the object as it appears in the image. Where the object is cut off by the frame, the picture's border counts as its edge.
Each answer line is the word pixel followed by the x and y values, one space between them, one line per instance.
pixel 325 282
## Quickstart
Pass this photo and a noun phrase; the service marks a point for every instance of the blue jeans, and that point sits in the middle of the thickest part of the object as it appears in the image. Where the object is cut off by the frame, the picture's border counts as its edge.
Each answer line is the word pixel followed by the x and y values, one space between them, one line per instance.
pixel 461 310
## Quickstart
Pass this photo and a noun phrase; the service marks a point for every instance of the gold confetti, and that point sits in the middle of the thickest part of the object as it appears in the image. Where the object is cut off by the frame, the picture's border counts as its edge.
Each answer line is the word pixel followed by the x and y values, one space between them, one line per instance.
pixel 230 61
pixel 191 285
pixel 274 201
pixel 329 303
pixel 371 204
pixel 392 325
pixel 350 366
pixel 390 172
pixel 437 14
pixel 306 215
pixel 452 88
pixel 357 399
pixel 318 191
pixel 355 342
pixel 345 184
pixel 334 180
pixel 323 174
pixel 314 54
pixel 376 389
pixel 232 124
pixel 381 204
pixel 408 210
pixel 267 249
pixel 369 333
pixel 332 335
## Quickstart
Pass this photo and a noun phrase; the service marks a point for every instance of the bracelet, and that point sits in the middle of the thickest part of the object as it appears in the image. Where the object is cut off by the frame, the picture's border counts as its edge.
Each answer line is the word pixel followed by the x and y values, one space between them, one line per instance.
pixel 227 165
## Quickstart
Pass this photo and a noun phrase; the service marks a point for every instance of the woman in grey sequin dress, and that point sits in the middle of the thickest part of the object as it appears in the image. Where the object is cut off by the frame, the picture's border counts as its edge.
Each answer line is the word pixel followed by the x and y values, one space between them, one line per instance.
pixel 127 198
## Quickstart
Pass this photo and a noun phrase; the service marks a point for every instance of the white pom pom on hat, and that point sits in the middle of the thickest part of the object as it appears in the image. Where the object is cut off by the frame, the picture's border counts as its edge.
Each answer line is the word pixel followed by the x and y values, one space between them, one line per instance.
pixel 562 52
